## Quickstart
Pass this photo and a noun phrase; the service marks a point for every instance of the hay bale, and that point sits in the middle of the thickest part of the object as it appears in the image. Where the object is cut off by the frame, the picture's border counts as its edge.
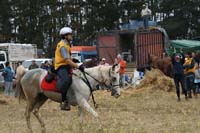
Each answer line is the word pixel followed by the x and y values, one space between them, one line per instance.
pixel 155 79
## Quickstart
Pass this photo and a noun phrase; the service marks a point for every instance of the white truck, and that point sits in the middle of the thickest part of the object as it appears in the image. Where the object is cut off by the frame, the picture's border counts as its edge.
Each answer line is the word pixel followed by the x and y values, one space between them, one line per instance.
pixel 16 52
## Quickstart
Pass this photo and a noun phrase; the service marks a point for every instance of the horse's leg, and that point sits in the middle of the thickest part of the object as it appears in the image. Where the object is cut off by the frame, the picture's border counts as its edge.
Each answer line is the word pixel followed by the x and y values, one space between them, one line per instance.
pixel 41 100
pixel 29 109
pixel 84 104
pixel 80 113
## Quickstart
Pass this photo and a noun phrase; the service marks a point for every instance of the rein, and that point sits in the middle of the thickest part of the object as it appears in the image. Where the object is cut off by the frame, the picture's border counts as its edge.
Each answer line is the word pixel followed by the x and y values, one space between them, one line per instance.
pixel 91 91
pixel 85 79
pixel 88 83
pixel 101 82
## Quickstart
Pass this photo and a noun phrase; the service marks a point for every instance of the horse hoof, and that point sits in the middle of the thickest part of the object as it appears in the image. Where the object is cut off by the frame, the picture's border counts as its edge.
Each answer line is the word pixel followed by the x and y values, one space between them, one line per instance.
pixel 96 106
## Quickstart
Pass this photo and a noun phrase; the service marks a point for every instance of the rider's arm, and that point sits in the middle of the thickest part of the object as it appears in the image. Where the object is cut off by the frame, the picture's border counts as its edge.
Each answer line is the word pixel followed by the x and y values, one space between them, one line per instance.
pixel 67 58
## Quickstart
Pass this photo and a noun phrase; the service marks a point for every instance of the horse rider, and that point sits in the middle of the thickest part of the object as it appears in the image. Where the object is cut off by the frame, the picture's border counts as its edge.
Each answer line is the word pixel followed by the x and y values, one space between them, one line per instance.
pixel 189 70
pixel 178 72
pixel 64 65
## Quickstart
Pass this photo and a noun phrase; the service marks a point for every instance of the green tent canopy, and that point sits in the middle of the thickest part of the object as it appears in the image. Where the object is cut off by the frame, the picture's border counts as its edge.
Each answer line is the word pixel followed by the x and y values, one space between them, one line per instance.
pixel 186 45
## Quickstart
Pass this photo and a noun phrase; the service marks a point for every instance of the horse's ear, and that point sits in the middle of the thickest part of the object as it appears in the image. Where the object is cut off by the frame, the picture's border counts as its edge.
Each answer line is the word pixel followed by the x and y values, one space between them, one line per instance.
pixel 113 67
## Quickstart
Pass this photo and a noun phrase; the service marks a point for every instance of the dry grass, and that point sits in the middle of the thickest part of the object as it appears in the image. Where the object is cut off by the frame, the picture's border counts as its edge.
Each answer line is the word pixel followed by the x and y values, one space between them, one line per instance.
pixel 145 110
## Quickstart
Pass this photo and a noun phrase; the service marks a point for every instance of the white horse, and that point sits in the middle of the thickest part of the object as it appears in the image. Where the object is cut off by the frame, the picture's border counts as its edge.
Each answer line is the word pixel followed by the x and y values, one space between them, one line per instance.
pixel 29 85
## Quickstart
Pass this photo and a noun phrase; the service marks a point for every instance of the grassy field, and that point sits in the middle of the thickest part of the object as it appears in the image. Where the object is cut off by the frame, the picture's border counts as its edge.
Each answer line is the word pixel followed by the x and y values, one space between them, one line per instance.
pixel 136 111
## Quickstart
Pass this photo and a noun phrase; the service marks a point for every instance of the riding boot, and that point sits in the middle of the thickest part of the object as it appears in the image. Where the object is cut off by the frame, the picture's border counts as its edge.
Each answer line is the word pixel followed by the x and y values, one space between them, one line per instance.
pixel 65 105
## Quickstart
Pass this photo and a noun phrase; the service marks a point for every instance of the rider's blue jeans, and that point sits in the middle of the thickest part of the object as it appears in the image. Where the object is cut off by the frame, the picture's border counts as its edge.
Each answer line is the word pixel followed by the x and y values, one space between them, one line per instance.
pixel 64 80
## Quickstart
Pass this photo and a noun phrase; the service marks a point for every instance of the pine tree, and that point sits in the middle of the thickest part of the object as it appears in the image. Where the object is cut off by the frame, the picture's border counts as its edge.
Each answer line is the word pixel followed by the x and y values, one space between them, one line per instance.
pixel 5 21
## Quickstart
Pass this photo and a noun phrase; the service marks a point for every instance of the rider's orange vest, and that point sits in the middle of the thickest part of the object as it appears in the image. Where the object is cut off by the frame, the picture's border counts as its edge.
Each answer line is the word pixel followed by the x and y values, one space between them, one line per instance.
pixel 59 60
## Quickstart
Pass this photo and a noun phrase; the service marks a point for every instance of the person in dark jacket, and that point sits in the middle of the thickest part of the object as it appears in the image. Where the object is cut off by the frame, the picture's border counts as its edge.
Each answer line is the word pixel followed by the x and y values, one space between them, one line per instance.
pixel 8 75
pixel 33 65
pixel 178 72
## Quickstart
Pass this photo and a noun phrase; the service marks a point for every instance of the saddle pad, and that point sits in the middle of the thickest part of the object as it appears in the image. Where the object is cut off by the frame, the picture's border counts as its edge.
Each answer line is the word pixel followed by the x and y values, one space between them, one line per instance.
pixel 49 86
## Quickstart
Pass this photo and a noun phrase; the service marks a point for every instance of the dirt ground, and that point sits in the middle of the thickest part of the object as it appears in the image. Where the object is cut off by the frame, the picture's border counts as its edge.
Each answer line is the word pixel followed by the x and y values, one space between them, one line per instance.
pixel 145 109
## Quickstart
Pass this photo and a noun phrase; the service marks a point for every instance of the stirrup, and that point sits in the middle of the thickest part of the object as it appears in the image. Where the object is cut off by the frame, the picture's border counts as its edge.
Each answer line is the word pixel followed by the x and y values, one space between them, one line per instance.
pixel 65 106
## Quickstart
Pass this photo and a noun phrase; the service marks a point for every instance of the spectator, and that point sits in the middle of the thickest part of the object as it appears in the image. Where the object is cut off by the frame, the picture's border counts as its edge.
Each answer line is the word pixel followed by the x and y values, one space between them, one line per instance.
pixel 103 62
pixel 129 58
pixel 33 65
pixel 8 75
pixel 194 56
pixel 52 67
pixel 197 73
pixel 122 64
pixel 46 65
pixel 178 72
pixel 189 70
pixel 16 93
pixel 145 13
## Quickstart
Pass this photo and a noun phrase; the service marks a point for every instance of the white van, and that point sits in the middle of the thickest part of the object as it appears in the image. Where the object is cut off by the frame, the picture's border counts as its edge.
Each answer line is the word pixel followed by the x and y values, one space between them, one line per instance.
pixel 2 66
pixel 38 61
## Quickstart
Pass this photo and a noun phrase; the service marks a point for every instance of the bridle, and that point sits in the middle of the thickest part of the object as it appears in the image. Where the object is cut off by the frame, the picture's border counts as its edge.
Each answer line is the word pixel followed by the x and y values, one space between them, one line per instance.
pixel 85 79
pixel 112 86
pixel 113 79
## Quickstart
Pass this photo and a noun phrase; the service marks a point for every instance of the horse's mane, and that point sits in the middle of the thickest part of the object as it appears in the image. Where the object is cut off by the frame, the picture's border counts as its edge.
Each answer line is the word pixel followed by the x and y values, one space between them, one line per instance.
pixel 20 71
pixel 95 68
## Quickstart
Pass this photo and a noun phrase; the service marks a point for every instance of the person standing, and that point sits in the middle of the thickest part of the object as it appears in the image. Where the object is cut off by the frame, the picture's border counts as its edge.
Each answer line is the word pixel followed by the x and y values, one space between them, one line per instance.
pixel 103 62
pixel 33 65
pixel 64 64
pixel 122 64
pixel 8 75
pixel 46 66
pixel 178 72
pixel 189 70
pixel 197 73
pixel 145 14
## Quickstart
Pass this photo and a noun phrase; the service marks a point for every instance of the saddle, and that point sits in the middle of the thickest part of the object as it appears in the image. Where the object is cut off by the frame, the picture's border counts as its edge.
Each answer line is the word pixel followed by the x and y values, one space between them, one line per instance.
pixel 49 83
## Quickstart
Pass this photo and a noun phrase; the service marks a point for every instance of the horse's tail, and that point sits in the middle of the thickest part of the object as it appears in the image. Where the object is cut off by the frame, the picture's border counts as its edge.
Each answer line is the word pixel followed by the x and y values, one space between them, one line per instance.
pixel 19 74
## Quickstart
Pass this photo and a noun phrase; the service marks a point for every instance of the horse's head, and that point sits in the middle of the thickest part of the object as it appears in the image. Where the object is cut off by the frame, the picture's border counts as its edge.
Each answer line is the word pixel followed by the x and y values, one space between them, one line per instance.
pixel 114 80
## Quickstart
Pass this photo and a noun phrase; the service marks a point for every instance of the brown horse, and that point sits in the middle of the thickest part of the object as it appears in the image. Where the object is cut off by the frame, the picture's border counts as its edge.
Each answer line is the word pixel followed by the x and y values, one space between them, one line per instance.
pixel 164 64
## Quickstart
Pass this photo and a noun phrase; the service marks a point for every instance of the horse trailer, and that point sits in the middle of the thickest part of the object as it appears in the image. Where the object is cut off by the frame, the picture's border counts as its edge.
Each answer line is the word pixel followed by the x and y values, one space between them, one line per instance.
pixel 134 46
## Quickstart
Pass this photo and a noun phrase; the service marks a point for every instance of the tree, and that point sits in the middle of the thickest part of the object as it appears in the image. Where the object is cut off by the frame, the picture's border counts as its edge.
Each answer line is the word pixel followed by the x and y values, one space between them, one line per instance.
pixel 5 21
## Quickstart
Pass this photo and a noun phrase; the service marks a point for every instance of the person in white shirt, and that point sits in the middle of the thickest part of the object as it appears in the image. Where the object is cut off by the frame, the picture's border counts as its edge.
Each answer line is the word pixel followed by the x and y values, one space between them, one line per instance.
pixel 145 13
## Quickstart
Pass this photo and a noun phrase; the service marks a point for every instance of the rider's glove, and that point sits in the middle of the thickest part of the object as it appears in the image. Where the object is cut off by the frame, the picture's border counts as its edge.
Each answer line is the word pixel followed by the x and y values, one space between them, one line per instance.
pixel 75 60
pixel 81 68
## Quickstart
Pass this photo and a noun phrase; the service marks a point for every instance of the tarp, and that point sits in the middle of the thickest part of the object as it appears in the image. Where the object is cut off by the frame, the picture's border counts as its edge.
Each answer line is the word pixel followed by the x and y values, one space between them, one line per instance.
pixel 186 45
pixel 88 52
pixel 135 25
